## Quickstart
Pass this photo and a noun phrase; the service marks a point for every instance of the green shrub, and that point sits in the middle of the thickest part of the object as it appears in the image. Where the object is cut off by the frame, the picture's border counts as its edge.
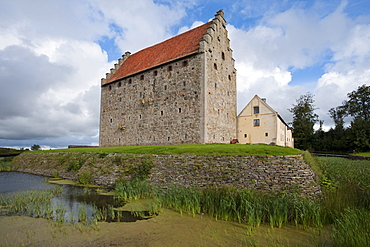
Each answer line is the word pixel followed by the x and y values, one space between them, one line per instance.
pixel 84 178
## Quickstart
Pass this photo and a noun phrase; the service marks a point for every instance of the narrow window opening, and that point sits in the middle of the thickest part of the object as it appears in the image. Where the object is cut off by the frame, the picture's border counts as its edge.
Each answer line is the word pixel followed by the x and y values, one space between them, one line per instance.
pixel 179 110
pixel 229 77
pixel 223 56
pixel 161 113
pixel 215 66
pixel 155 73
pixel 168 138
pixel 111 120
pixel 266 134
pixel 185 63
pixel 129 81
pixel 256 122
pixel 110 87
pixel 140 116
pixel 141 94
pixel 165 87
pixel 169 68
pixel 184 83
pixel 245 135
pixel 119 84
pixel 215 85
pixel 142 77
pixel 256 109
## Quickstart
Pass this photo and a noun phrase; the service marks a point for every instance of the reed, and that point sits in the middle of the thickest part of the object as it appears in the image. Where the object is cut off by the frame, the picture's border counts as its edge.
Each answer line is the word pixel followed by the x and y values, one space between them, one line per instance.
pixel 352 228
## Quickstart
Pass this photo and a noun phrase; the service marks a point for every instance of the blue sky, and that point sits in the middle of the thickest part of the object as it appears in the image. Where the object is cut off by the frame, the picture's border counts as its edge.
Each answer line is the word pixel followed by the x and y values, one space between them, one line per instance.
pixel 54 53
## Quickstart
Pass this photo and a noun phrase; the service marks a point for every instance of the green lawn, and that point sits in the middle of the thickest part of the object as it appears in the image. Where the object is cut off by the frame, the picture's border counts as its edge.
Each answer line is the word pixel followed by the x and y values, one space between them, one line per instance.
pixel 364 154
pixel 197 149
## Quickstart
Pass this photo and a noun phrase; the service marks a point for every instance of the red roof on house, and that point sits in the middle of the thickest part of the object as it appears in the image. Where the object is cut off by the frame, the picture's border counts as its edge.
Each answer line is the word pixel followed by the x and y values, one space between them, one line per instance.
pixel 177 47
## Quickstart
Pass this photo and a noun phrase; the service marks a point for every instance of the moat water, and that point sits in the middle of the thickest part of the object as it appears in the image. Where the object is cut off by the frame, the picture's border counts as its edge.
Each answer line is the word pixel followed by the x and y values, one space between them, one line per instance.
pixel 72 197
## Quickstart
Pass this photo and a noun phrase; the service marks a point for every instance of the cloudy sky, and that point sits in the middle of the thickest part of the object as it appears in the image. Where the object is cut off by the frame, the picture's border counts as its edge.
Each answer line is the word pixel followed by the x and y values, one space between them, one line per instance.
pixel 53 54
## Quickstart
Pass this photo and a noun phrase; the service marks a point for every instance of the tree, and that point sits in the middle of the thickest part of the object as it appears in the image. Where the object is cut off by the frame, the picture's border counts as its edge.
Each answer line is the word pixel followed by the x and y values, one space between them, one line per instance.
pixel 304 120
pixel 35 147
pixel 358 105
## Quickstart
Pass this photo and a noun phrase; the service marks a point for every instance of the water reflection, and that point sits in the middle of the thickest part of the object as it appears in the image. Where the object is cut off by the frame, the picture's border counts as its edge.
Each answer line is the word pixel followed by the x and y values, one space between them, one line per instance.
pixel 75 202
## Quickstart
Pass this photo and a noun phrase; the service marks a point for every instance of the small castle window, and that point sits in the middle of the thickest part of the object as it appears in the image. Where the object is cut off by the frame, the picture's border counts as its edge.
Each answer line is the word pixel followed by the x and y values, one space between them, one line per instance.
pixel 169 68
pixel 142 77
pixel 168 138
pixel 184 83
pixel 230 77
pixel 155 73
pixel 245 135
pixel 165 87
pixel 179 110
pixel 119 84
pixel 140 116
pixel 256 109
pixel 266 134
pixel 215 85
pixel 111 120
pixel 256 122
pixel 110 87
pixel 161 113
pixel 141 94
pixel 185 63
pixel 215 66
pixel 129 81
pixel 223 56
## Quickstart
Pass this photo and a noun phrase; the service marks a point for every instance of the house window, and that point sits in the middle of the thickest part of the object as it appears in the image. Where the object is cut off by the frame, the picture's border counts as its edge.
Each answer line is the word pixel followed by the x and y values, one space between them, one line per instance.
pixel 169 68
pixel 223 56
pixel 142 77
pixel 256 109
pixel 155 73
pixel 245 135
pixel 185 63
pixel 266 134
pixel 256 122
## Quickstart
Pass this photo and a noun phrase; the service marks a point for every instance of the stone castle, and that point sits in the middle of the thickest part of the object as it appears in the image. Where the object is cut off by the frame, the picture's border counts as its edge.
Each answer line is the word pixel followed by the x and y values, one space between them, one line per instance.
pixel 180 91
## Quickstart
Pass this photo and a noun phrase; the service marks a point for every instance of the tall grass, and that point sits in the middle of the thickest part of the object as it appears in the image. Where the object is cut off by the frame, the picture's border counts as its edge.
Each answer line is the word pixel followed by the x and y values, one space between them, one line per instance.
pixel 352 229
pixel 244 206
pixel 346 200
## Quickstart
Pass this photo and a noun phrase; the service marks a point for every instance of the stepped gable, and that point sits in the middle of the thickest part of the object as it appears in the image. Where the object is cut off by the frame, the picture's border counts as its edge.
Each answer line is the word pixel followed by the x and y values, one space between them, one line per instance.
pixel 177 47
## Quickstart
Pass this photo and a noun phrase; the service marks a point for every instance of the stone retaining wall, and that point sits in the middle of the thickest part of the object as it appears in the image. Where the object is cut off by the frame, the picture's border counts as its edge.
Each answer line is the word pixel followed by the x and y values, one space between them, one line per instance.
pixel 275 173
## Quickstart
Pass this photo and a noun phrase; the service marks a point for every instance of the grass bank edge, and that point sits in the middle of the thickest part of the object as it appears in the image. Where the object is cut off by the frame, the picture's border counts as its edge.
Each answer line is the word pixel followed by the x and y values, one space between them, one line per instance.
pixel 193 149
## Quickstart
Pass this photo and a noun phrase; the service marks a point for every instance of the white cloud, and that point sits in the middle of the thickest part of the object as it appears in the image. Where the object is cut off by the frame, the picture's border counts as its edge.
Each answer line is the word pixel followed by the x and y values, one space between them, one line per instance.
pixel 297 39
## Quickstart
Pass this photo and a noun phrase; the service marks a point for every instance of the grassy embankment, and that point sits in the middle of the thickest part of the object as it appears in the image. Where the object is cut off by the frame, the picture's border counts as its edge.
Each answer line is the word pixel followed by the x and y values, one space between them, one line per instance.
pixel 5 162
pixel 196 149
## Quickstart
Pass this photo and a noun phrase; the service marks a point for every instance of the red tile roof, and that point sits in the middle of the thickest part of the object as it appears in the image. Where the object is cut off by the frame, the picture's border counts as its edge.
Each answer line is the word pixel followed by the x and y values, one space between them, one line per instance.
pixel 177 47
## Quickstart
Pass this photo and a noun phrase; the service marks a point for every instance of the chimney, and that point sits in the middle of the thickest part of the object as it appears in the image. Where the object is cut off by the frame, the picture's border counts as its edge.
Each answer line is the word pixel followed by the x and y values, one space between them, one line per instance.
pixel 264 100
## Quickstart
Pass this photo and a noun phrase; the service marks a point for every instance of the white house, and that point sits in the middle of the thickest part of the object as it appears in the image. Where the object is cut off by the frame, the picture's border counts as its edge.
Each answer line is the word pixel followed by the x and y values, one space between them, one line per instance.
pixel 259 123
